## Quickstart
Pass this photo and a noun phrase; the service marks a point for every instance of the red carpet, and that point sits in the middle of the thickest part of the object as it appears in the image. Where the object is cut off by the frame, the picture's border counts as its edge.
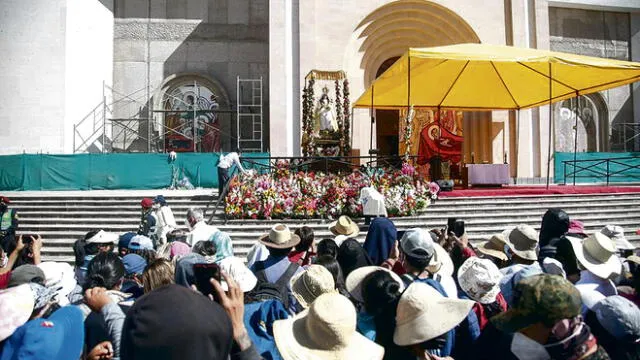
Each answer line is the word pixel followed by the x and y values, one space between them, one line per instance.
pixel 539 190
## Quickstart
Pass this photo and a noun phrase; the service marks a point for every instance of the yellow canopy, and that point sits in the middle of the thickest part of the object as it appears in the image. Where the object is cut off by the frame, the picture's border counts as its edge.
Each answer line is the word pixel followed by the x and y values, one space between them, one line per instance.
pixel 490 77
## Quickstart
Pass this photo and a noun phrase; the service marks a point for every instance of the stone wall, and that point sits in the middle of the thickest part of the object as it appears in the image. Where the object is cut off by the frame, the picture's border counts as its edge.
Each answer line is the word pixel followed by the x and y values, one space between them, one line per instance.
pixel 602 34
pixel 218 39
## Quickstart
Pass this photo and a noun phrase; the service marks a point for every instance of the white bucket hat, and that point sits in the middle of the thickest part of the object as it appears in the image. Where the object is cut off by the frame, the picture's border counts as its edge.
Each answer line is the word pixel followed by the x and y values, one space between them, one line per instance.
pixel 523 241
pixel 597 253
pixel 616 233
pixel 239 272
pixel 344 228
pixel 356 278
pixel 480 279
pixel 423 314
pixel 280 237
pixel 103 237
pixel 307 285
pixel 59 276
pixel 327 330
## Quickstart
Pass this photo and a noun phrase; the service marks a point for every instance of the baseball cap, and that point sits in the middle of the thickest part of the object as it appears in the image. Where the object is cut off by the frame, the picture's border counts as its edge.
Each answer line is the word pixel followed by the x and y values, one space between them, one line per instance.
pixel 417 243
pixel 134 264
pixel 146 203
pixel 140 242
pixel 540 298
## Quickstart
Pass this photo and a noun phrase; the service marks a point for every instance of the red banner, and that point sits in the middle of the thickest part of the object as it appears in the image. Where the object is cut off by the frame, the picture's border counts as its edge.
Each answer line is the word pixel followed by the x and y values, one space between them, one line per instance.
pixel 438 141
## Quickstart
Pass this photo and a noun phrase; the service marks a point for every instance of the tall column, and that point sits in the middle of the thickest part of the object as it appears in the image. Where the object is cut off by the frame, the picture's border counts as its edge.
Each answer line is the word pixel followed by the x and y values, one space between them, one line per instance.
pixel 635 56
pixel 284 78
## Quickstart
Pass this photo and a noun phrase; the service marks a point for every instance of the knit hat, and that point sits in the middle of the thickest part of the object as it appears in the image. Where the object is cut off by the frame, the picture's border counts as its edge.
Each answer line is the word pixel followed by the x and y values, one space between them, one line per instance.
pixel 327 330
pixel 125 239
pixel 179 248
pixel 146 203
pixel 540 298
pixel 16 306
pixel 307 285
pixel 134 264
pixel 480 279
pixel 60 337
pixel 174 322
pixel 620 317
pixel 424 314
pixel 26 273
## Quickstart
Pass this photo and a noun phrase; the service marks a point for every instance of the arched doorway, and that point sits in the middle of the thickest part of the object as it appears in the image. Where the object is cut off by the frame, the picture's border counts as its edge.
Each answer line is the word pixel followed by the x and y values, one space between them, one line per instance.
pixel 593 124
pixel 388 33
pixel 189 115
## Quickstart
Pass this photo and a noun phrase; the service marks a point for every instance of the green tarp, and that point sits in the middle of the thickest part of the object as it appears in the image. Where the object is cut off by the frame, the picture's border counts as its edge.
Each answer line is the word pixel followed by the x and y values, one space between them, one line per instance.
pixel 592 167
pixel 109 171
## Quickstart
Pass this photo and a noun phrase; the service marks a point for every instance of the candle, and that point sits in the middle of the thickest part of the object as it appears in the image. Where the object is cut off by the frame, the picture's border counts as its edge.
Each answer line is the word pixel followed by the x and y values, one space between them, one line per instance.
pixel 473 158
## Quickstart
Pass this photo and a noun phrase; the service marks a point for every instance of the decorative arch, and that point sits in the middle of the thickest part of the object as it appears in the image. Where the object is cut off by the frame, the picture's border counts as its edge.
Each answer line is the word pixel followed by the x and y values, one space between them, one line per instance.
pixel 176 80
pixel 392 29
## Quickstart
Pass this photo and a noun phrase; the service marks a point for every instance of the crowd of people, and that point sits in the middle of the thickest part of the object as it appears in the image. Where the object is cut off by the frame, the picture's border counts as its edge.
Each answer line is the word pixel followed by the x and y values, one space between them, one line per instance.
pixel 172 293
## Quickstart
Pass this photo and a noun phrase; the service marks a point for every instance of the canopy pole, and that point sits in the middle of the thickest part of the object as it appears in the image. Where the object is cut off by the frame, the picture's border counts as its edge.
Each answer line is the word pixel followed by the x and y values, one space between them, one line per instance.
pixel 372 122
pixel 575 138
pixel 550 123
pixel 439 170
pixel 517 148
pixel 408 93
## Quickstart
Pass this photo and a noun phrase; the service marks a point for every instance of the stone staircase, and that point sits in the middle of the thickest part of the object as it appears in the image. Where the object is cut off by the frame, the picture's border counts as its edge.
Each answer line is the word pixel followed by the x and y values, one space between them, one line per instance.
pixel 63 217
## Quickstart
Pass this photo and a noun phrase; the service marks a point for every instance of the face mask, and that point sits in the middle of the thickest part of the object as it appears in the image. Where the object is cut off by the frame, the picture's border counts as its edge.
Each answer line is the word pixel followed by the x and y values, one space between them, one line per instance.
pixel 526 349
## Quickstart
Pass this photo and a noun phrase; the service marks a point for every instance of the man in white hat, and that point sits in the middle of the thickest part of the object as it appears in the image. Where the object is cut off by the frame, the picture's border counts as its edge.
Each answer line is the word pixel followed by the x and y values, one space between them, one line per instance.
pixel 599 264
pixel 344 228
pixel 276 268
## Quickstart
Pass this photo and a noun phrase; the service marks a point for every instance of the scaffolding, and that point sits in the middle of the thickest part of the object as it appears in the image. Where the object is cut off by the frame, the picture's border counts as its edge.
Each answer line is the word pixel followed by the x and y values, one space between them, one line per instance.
pixel 249 115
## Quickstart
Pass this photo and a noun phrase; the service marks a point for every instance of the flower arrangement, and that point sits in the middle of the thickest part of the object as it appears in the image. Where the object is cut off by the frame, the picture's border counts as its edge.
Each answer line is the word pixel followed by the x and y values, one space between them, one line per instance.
pixel 287 194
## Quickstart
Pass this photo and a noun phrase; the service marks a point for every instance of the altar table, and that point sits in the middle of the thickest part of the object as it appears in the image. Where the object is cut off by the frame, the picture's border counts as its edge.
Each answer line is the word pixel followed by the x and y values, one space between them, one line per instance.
pixel 487 174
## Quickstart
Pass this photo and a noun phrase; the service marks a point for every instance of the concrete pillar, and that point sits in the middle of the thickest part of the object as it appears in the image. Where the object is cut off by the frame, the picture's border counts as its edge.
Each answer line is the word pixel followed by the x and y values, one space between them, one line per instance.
pixel 284 78
pixel 635 56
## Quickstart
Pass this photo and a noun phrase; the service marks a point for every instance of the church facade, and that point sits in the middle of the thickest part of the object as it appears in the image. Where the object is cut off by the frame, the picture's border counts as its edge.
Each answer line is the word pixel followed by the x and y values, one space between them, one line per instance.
pixel 136 74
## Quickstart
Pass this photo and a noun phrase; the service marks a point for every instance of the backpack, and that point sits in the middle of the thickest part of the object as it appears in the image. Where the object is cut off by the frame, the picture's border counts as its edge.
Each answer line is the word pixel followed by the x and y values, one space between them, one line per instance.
pixel 265 290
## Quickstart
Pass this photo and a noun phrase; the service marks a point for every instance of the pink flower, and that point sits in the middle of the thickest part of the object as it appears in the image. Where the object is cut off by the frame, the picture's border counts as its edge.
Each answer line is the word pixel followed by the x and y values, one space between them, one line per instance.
pixel 434 188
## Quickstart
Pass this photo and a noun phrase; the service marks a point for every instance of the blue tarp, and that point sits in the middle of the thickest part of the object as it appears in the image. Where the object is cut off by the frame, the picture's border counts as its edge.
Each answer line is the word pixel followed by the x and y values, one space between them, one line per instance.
pixel 108 171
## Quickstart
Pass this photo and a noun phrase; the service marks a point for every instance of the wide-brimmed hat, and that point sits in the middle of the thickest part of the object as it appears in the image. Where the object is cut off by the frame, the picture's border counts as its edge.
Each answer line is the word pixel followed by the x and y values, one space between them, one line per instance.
pixel 16 306
pixel 280 237
pixel 424 314
pixel 616 233
pixel 597 253
pixel 327 330
pixel 103 237
pixel 239 272
pixel 576 227
pixel 494 247
pixel 480 279
pixel 59 337
pixel 308 285
pixel 344 228
pixel 441 262
pixel 356 278
pixel 523 241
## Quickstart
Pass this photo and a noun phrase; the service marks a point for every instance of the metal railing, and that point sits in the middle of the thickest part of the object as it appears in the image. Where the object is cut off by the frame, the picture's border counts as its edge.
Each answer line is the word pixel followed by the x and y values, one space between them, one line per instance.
pixel 627 168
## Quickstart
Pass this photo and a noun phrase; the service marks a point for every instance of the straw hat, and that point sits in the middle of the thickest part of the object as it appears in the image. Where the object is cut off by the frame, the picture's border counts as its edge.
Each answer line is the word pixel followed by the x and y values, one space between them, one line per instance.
pixel 356 278
pixel 480 279
pixel 616 233
pixel 327 330
pixel 597 253
pixel 344 228
pixel 307 285
pixel 523 241
pixel 423 314
pixel 494 247
pixel 280 237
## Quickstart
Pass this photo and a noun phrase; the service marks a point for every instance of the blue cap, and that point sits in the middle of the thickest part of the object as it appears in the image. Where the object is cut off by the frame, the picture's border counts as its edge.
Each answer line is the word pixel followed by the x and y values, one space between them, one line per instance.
pixel 134 264
pixel 160 200
pixel 60 337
